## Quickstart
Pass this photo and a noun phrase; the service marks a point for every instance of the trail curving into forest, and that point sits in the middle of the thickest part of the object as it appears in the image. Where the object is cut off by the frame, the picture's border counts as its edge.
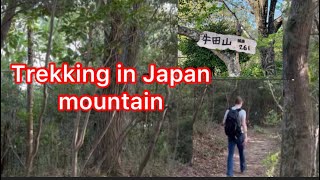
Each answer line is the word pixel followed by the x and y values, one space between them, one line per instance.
pixel 210 154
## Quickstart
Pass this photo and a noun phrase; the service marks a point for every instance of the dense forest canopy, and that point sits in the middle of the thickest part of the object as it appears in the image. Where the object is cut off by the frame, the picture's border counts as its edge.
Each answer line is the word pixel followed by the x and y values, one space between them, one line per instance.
pixel 279 85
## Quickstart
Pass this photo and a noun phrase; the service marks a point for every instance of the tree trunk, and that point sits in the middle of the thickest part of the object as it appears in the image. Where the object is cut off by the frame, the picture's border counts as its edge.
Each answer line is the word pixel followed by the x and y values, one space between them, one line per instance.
pixel 78 136
pixel 75 147
pixel 29 144
pixel 316 153
pixel 184 149
pixel 7 20
pixel 36 139
pixel 212 102
pixel 107 148
pixel 107 153
pixel 315 107
pixel 264 17
pixel 267 56
pixel 233 66
pixel 155 136
pixel 266 53
pixel 297 137
pixel 5 145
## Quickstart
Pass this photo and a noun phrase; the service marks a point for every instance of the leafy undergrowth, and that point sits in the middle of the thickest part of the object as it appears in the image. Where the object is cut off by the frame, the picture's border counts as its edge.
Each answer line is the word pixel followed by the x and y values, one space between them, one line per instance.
pixel 208 148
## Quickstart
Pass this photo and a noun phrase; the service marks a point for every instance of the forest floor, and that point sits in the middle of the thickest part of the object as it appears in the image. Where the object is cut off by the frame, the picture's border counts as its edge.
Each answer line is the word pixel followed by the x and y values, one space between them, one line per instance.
pixel 210 154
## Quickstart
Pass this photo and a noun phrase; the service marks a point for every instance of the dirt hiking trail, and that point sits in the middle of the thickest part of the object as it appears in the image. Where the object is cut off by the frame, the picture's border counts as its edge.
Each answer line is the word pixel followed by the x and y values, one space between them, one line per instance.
pixel 210 154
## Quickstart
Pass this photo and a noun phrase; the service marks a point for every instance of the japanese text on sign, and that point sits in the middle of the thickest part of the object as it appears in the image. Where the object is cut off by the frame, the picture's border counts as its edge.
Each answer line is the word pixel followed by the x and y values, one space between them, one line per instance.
pixel 211 40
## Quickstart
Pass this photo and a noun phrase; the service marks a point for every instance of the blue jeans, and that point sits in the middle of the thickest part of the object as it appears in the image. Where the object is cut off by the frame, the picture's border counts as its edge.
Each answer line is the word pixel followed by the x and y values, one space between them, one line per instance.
pixel 231 144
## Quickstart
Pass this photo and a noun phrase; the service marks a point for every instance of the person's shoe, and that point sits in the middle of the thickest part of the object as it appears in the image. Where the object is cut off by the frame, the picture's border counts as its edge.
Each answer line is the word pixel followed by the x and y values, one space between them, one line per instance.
pixel 243 170
pixel 228 175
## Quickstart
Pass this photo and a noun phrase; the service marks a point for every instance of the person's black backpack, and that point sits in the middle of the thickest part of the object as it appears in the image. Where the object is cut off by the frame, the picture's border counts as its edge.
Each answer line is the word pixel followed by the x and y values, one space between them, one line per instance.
pixel 232 126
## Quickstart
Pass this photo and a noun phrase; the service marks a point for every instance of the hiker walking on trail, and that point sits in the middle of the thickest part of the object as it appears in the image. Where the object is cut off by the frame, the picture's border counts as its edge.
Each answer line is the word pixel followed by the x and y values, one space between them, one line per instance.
pixel 236 129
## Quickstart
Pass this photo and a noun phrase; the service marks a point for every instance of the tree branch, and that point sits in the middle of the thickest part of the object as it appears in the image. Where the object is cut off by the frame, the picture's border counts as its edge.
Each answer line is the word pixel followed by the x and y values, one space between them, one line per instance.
pixel 155 136
pixel 199 105
pixel 277 23
pixel 233 13
pixel 190 33
pixel 238 21
pixel 271 24
pixel 7 20
pixel 241 7
pixel 224 57
pixel 274 97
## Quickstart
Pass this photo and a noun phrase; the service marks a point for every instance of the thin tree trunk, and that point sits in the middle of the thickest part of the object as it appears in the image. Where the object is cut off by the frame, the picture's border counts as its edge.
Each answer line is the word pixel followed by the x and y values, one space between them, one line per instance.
pixel 316 153
pixel 45 93
pixel 194 117
pixel 78 136
pixel 74 153
pixel 274 97
pixel 271 24
pixel 297 137
pixel 29 105
pixel 7 20
pixel 155 136
pixel 212 99
pixel 98 140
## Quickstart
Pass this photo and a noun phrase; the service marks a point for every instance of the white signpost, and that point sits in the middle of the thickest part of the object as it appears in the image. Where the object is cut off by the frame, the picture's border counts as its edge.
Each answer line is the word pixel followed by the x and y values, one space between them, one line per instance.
pixel 211 40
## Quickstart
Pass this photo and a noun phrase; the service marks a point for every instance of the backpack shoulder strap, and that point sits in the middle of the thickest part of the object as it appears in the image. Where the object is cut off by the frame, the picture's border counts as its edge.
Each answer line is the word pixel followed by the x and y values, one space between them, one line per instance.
pixel 239 109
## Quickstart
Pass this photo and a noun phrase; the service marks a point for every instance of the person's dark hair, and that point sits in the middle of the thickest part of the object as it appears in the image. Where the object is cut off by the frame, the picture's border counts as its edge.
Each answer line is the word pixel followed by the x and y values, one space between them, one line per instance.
pixel 238 100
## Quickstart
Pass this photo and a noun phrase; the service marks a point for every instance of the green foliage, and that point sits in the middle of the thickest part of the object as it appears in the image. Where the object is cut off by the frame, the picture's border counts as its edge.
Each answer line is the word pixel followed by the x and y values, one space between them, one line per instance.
pixel 271 162
pixel 156 26
pixel 258 129
pixel 272 118
pixel 200 57
pixel 162 150
pixel 254 70
pixel 197 12
pixel 184 143
pixel 16 47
